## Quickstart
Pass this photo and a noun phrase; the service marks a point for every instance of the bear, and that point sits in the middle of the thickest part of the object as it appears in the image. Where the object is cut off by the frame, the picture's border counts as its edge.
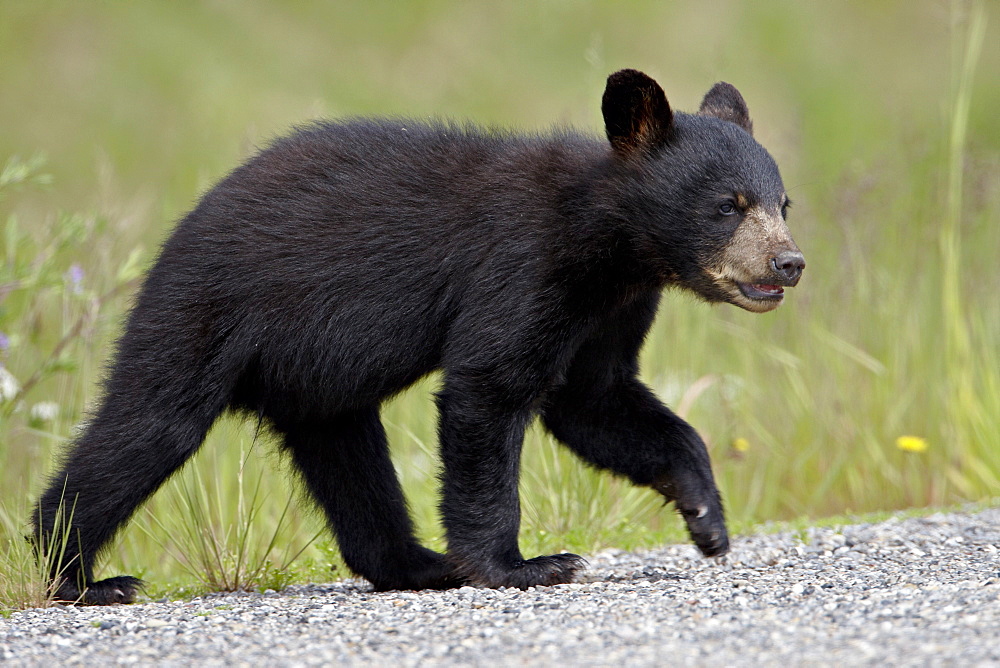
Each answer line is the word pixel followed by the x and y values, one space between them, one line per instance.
pixel 351 258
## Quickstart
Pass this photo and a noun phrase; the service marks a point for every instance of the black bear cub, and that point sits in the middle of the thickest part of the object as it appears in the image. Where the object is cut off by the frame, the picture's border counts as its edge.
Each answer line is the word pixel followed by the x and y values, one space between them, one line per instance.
pixel 350 259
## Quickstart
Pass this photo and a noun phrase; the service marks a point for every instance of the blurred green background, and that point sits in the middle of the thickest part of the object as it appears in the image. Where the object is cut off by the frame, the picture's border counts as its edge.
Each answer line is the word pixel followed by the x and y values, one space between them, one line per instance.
pixel 883 117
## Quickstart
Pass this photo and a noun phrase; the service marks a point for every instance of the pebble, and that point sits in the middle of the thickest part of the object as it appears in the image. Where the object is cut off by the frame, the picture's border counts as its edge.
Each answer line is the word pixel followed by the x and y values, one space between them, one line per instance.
pixel 900 592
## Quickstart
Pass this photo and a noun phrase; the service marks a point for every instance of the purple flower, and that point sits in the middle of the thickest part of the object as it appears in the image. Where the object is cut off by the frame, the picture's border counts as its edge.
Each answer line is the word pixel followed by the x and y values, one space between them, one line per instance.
pixel 4 342
pixel 75 277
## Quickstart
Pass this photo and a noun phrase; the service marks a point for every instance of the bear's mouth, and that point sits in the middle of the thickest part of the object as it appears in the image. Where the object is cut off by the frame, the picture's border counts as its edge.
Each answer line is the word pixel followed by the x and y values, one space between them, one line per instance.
pixel 761 291
pixel 759 294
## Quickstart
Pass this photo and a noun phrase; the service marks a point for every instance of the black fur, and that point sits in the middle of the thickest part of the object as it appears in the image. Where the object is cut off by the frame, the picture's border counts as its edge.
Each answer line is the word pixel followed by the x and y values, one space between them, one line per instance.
pixel 346 261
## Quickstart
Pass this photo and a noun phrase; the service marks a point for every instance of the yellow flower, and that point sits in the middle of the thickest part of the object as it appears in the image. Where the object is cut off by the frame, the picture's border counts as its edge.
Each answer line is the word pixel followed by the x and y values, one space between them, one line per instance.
pixel 741 444
pixel 911 444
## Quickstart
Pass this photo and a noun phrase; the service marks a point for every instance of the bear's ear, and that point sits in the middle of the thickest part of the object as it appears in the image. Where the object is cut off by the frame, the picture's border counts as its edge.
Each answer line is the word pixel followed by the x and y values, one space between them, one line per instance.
pixel 725 102
pixel 636 114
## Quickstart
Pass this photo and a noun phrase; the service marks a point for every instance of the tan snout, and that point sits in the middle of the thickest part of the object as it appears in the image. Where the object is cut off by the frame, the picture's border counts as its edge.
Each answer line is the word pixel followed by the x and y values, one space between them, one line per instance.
pixel 760 260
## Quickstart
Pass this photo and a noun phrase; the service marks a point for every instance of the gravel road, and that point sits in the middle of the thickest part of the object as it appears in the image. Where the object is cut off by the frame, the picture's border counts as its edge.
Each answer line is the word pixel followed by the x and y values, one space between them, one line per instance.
pixel 901 592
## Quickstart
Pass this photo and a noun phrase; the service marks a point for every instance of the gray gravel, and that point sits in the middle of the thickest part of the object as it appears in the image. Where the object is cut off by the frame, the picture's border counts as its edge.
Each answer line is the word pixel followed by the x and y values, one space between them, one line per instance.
pixel 902 592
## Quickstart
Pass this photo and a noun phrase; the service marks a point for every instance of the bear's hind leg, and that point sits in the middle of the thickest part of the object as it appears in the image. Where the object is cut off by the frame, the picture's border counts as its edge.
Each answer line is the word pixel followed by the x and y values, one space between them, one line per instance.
pixel 345 464
pixel 123 457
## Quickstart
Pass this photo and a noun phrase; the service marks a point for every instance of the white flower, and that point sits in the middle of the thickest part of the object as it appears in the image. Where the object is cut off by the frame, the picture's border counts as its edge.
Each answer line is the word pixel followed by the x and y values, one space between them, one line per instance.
pixel 45 411
pixel 9 387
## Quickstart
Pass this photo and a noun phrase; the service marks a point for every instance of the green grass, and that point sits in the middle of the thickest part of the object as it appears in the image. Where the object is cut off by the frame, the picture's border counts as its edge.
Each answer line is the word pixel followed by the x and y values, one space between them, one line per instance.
pixel 882 117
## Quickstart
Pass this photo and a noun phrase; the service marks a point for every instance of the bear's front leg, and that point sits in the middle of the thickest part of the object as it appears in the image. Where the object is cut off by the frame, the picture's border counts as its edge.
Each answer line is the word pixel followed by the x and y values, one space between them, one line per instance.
pixel 621 426
pixel 481 436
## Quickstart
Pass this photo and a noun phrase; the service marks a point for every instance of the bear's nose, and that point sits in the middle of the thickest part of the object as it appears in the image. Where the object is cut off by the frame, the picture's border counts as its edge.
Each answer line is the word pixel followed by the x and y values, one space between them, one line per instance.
pixel 789 265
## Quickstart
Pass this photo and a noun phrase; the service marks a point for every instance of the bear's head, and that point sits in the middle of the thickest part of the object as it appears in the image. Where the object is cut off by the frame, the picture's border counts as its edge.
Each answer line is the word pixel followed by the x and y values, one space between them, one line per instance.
pixel 704 201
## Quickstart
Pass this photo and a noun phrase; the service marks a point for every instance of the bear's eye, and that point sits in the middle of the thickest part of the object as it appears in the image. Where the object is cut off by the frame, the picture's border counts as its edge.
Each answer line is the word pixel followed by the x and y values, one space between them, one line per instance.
pixel 784 208
pixel 727 209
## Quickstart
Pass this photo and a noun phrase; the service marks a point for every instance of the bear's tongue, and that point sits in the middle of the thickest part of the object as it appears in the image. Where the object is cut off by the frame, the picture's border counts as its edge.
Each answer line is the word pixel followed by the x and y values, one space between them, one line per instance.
pixel 768 289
